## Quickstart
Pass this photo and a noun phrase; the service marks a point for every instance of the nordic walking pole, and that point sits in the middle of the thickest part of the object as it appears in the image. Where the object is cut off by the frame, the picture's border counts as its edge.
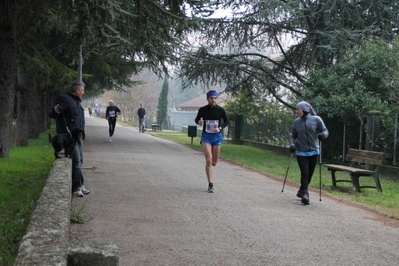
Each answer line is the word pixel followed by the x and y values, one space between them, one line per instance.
pixel 286 173
pixel 320 172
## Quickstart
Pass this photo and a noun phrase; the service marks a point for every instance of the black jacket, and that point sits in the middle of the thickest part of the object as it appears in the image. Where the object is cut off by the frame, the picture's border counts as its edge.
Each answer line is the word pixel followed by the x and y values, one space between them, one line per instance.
pixel 72 113
pixel 212 113
pixel 111 112
pixel 141 112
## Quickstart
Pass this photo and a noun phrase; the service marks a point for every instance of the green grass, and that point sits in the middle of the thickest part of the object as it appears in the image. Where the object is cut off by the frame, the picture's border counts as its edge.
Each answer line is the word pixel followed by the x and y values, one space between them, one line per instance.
pixel 276 165
pixel 22 177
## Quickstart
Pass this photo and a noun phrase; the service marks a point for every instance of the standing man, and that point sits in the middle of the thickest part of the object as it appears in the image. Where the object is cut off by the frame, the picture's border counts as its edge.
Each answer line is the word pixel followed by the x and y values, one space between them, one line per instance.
pixel 69 114
pixel 141 113
pixel 307 132
pixel 210 118
pixel 111 114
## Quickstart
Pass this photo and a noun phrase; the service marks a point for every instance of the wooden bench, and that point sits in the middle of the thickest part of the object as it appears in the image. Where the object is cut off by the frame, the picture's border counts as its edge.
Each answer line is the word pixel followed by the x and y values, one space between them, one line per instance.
pixel 371 158
pixel 154 127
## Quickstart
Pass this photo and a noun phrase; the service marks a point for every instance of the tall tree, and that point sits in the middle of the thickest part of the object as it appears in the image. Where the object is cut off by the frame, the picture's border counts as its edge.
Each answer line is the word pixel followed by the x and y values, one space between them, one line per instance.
pixel 118 38
pixel 8 70
pixel 273 44
pixel 162 109
pixel 366 79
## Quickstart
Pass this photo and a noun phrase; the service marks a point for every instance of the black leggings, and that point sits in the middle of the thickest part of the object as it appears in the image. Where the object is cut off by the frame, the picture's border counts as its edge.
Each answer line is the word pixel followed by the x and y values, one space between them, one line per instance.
pixel 306 164
pixel 111 123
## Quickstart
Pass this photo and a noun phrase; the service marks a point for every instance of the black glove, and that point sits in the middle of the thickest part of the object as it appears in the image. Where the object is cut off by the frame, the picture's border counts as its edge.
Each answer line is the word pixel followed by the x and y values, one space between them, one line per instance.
pixel 292 148
pixel 320 137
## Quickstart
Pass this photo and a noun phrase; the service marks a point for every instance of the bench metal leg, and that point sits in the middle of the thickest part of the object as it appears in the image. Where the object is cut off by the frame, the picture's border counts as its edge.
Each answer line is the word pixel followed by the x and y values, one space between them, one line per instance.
pixel 377 182
pixel 376 178
pixel 355 180
pixel 334 181
pixel 357 183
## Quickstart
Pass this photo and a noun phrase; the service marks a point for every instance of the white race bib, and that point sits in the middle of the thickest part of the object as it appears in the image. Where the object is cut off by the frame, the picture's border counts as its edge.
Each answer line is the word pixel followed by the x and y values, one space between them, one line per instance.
pixel 210 125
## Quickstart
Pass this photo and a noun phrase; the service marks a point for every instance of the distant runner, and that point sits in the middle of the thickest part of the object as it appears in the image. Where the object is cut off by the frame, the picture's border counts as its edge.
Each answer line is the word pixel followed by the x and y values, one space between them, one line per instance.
pixel 111 114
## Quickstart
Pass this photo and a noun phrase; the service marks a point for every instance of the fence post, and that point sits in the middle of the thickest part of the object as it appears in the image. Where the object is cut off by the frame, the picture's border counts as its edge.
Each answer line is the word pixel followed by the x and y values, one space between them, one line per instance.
pixel 395 139
pixel 238 123
pixel 344 143
pixel 373 130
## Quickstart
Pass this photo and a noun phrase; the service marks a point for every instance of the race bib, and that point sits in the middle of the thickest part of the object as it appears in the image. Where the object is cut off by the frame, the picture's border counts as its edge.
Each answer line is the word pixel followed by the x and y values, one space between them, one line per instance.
pixel 210 125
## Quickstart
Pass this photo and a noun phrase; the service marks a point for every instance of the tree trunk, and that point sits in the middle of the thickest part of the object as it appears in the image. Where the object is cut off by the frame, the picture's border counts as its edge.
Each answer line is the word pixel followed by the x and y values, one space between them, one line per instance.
pixel 22 131
pixel 8 70
pixel 43 111
pixel 35 115
pixel 49 101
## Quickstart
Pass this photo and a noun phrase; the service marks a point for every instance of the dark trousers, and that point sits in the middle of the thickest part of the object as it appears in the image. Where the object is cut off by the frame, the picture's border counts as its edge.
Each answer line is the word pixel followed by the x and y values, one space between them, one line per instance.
pixel 111 124
pixel 306 164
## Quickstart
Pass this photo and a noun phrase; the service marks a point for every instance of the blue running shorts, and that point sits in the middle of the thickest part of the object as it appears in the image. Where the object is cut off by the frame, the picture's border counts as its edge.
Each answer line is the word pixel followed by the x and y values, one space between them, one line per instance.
pixel 212 139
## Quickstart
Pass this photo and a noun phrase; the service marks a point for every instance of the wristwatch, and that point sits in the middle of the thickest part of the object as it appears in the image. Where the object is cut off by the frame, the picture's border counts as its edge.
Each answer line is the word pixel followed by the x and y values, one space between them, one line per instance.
pixel 220 128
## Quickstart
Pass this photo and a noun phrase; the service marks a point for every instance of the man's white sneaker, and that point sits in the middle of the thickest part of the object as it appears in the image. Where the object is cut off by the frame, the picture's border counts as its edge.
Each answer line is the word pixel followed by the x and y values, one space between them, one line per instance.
pixel 85 191
pixel 78 193
pixel 110 139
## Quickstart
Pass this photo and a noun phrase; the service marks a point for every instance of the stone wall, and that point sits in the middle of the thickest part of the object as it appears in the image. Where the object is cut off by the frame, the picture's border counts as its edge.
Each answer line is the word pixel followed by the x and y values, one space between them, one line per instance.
pixel 47 237
pixel 46 241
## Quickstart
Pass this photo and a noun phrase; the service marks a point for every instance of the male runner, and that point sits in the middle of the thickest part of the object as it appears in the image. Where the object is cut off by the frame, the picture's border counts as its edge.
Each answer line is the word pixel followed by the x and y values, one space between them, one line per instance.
pixel 210 118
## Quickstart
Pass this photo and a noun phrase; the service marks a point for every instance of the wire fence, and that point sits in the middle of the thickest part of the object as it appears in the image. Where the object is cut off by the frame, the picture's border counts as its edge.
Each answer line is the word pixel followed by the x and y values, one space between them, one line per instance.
pixel 375 132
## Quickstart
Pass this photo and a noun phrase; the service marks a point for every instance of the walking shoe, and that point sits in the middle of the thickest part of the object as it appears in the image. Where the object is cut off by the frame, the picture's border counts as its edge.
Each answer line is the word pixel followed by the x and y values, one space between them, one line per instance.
pixel 85 191
pixel 210 188
pixel 78 193
pixel 299 194
pixel 110 139
pixel 305 198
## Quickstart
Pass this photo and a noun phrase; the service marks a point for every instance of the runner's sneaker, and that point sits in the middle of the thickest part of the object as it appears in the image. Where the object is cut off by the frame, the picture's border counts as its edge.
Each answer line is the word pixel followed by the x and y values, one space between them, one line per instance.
pixel 85 191
pixel 210 188
pixel 110 139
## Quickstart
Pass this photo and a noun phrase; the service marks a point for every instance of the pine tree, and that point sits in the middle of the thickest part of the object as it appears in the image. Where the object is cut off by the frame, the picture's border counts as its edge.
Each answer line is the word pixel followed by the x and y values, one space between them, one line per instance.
pixel 162 109
pixel 271 45
pixel 118 38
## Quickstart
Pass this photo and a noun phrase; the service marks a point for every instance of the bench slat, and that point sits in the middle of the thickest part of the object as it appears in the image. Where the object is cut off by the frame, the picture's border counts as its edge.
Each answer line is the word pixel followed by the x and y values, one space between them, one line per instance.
pixel 349 169
pixel 367 157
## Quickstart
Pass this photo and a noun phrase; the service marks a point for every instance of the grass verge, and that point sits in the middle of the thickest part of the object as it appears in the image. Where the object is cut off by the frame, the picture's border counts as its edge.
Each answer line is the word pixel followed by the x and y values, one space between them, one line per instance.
pixel 22 177
pixel 276 166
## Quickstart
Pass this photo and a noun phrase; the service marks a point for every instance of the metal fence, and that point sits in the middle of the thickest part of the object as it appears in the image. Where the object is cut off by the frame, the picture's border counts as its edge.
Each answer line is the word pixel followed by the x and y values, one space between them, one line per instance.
pixel 375 132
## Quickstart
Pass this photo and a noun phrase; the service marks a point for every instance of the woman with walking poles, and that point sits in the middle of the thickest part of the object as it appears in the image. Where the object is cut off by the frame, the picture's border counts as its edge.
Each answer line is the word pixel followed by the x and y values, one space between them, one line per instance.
pixel 308 132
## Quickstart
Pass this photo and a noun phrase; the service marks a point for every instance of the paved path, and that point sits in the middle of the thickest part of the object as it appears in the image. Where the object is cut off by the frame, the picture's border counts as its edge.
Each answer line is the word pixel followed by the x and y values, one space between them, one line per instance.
pixel 148 196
